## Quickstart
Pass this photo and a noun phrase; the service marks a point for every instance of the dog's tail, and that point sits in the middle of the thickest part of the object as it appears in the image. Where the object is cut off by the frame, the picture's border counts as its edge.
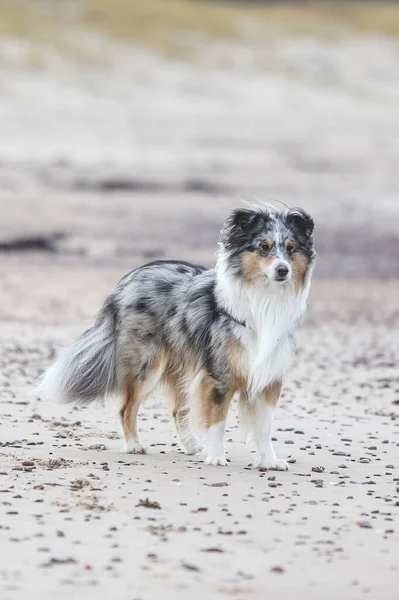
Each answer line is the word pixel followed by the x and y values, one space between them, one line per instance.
pixel 87 369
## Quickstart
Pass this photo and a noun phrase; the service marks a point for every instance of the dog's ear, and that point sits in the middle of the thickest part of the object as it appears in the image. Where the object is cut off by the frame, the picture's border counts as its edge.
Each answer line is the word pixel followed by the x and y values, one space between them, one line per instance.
pixel 300 220
pixel 242 219
pixel 240 226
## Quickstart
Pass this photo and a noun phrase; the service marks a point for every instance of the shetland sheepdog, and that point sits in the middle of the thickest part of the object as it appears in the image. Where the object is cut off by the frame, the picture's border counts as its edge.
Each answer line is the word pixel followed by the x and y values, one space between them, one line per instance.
pixel 205 334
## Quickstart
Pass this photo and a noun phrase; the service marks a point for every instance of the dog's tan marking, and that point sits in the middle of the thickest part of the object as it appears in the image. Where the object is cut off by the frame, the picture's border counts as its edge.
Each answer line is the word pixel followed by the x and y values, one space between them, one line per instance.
pixel 267 244
pixel 299 263
pixel 252 266
pixel 288 242
pixel 175 377
pixel 130 408
pixel 234 354
pixel 213 407
pixel 176 398
pixel 271 393
pixel 161 359
pixel 177 402
pixel 136 391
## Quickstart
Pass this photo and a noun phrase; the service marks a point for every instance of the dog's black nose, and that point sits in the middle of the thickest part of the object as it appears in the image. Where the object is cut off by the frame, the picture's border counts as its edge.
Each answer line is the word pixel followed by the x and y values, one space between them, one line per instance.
pixel 282 271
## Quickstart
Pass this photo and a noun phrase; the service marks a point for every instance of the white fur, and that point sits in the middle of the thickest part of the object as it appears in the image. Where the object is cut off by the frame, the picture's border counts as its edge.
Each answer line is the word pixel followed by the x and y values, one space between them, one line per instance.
pixel 214 445
pixel 272 311
pixel 133 446
pixel 271 271
pixel 211 438
pixel 50 386
pixel 190 444
pixel 75 361
pixel 260 420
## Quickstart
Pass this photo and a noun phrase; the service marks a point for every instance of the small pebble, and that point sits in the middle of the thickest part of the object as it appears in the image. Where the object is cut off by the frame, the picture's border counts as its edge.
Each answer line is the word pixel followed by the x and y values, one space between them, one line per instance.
pixel 364 524
pixel 277 570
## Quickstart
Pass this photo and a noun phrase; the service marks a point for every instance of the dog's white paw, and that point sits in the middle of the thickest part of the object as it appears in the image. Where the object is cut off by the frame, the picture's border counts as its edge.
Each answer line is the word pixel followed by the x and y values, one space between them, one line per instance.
pixel 216 461
pixel 191 449
pixel 134 447
pixel 277 464
pixel 191 446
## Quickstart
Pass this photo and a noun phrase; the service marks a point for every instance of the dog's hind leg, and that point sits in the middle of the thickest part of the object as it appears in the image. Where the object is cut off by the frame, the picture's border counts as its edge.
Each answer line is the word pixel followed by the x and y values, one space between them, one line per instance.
pixel 180 410
pixel 128 413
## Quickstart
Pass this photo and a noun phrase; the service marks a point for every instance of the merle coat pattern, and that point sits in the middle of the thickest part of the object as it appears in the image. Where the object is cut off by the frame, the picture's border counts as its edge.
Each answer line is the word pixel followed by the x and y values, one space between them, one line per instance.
pixel 205 334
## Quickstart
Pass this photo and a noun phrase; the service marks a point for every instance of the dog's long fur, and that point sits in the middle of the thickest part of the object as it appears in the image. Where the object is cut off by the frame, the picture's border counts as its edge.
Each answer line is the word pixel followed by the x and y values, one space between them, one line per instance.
pixel 205 334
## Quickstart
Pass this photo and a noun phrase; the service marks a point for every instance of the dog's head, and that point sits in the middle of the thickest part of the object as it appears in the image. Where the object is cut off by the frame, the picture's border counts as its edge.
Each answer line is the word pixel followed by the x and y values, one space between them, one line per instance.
pixel 263 243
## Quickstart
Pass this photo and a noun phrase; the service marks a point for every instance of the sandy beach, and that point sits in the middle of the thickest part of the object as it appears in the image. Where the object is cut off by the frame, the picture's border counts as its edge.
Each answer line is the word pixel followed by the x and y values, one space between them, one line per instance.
pixel 74 514
pixel 106 167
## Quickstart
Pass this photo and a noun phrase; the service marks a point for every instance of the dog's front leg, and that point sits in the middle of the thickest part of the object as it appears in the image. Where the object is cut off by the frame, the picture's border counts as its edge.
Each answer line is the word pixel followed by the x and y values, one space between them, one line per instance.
pixel 259 416
pixel 212 405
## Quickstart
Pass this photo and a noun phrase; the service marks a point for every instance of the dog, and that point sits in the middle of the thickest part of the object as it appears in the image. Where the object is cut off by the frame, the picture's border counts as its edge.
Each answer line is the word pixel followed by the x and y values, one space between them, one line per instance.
pixel 206 334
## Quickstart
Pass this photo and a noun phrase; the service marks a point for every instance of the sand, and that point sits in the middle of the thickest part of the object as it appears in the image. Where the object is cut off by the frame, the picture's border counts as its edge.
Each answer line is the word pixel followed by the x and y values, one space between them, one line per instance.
pixel 73 523
pixel 143 162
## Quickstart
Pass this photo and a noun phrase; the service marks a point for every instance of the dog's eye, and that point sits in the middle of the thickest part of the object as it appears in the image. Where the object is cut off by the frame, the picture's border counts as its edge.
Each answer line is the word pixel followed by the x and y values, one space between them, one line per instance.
pixel 290 248
pixel 265 247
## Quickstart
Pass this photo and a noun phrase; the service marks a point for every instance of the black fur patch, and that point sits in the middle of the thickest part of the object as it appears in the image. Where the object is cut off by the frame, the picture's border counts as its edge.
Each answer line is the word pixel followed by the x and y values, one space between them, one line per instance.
pixel 300 222
pixel 171 312
pixel 246 230
pixel 241 228
pixel 180 263
pixel 218 397
pixel 142 305
pixel 143 370
pixel 164 287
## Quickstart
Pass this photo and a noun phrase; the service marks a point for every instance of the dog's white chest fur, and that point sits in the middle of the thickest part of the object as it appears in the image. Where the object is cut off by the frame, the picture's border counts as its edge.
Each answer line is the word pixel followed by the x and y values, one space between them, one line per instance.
pixel 271 313
pixel 268 345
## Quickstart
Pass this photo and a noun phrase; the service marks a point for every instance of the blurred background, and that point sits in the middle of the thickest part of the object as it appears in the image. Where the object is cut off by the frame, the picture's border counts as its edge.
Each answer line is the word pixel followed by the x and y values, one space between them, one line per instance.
pixel 129 128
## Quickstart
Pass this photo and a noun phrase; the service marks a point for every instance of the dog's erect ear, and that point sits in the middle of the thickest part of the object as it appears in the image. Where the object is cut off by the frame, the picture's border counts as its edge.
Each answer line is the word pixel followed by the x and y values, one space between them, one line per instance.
pixel 301 220
pixel 240 226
